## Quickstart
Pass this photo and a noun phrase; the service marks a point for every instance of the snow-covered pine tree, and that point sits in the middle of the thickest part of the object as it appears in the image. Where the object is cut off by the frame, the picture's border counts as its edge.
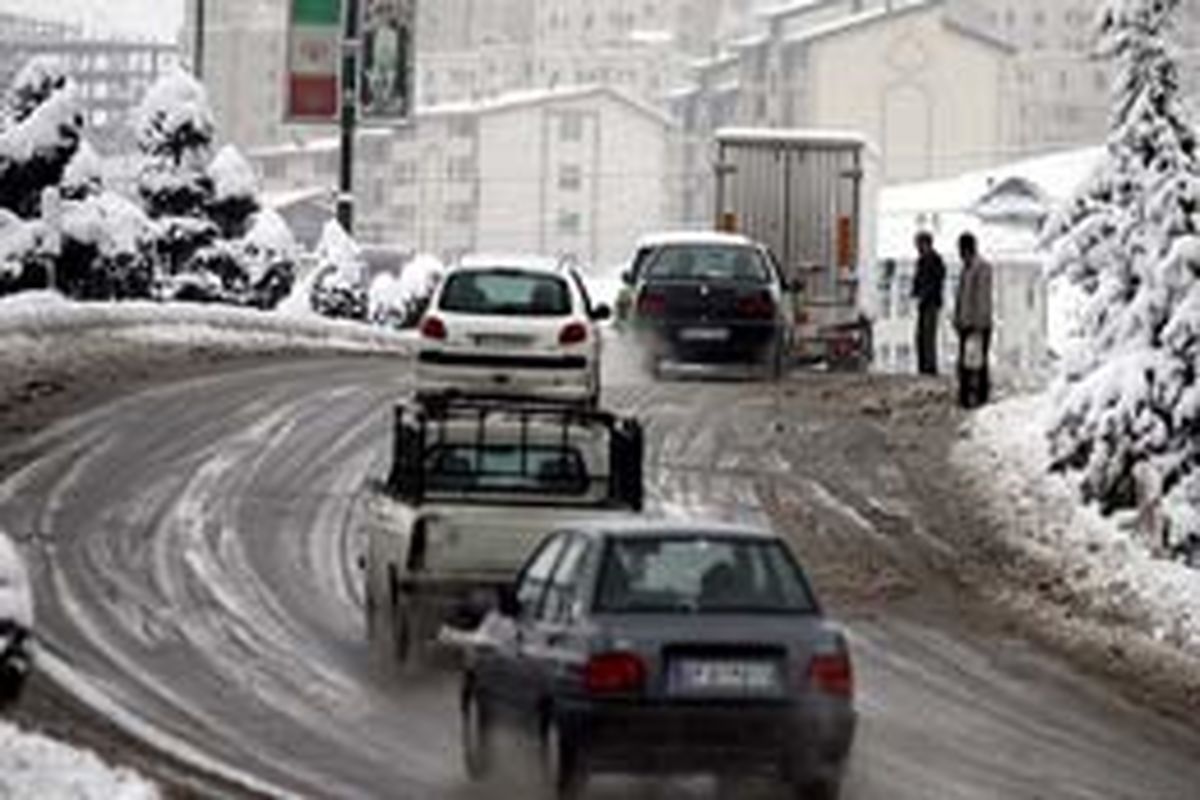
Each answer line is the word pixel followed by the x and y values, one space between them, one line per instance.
pixel 175 131
pixel 1130 397
pixel 106 240
pixel 41 126
pixel 339 288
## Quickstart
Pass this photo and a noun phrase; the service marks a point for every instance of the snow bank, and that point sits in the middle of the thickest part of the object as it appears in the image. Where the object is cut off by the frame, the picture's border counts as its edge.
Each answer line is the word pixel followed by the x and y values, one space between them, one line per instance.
pixel 33 766
pixel 30 317
pixel 1106 563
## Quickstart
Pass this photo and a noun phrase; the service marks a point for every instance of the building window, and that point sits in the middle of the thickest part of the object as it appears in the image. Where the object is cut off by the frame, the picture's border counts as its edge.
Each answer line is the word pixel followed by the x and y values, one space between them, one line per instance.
pixel 570 177
pixel 406 217
pixel 406 172
pixel 569 223
pixel 460 212
pixel 462 127
pixel 570 126
pixel 460 168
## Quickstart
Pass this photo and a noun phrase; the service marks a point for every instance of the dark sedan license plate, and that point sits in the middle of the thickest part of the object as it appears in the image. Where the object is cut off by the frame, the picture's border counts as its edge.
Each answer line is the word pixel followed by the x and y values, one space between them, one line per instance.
pixel 703 676
pixel 704 334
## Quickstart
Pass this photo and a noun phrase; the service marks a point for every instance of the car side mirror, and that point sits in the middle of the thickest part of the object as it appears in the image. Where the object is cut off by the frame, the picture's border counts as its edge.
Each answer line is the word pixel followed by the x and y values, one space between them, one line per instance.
pixel 627 278
pixel 602 312
pixel 506 601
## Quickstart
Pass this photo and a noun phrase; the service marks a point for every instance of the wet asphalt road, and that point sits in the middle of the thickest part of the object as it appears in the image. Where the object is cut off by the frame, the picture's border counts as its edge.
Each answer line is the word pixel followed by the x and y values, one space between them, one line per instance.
pixel 195 576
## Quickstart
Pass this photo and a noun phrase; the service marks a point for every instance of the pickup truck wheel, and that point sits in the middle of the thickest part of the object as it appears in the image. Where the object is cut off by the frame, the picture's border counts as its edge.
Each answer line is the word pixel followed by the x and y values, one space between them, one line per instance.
pixel 476 736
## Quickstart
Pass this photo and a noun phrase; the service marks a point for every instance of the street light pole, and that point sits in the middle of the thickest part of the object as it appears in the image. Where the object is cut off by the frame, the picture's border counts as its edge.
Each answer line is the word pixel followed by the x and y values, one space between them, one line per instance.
pixel 349 117
pixel 198 44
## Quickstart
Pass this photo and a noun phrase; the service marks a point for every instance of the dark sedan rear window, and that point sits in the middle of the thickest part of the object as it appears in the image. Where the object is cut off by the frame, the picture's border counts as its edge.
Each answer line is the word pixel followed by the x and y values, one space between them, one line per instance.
pixel 506 292
pixel 701 574
pixel 708 262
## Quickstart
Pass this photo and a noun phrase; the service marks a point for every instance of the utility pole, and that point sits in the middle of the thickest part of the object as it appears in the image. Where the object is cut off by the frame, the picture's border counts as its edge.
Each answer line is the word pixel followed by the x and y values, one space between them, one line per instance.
pixel 198 44
pixel 350 55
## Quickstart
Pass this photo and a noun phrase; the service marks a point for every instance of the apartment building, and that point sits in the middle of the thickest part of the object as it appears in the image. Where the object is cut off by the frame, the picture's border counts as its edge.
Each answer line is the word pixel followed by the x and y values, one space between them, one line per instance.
pixel 927 90
pixel 1062 91
pixel 577 171
pixel 243 69
pixel 112 74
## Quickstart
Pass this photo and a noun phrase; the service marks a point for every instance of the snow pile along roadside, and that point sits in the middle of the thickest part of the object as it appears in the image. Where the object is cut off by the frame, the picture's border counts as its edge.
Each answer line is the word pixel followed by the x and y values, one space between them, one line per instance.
pixel 32 766
pixel 1107 566
pixel 31 316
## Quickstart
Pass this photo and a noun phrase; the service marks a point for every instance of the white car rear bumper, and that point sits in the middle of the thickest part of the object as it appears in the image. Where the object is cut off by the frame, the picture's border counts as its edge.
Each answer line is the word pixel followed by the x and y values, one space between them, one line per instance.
pixel 559 377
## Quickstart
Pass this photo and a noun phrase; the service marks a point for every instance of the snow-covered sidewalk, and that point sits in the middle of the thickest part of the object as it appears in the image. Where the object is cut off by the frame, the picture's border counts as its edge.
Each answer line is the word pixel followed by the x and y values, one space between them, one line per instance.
pixel 1105 566
pixel 33 767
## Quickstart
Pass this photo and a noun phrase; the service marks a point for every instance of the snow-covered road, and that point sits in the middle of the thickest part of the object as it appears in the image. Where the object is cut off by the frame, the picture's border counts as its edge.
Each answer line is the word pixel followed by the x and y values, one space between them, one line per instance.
pixel 195 582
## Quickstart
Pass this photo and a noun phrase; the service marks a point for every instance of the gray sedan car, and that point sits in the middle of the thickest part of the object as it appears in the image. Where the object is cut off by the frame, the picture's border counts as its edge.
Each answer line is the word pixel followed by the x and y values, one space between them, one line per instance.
pixel 662 648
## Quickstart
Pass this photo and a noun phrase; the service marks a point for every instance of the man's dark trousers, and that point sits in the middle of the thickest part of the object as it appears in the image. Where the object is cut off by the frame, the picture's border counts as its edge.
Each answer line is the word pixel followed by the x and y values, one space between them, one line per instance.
pixel 927 331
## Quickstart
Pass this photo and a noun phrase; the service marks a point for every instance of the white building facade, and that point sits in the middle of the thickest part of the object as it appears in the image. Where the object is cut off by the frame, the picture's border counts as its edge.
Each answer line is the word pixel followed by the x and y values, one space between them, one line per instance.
pixel 573 172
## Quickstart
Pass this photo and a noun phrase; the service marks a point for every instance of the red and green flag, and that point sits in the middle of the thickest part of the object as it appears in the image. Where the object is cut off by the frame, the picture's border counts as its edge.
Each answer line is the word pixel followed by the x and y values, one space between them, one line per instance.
pixel 314 58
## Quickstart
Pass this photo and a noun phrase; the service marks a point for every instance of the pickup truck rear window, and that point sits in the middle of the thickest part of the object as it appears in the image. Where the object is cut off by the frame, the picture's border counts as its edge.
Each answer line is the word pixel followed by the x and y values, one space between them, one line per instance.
pixel 701 575
pixel 708 262
pixel 501 468
pixel 506 292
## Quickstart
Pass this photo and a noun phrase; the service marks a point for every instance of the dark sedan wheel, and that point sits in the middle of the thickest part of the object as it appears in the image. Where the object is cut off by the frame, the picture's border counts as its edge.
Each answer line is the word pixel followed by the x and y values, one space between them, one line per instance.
pixel 562 766
pixel 476 736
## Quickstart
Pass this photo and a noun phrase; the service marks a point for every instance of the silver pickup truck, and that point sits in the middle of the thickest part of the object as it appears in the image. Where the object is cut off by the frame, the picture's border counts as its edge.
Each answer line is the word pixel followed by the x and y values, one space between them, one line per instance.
pixel 475 483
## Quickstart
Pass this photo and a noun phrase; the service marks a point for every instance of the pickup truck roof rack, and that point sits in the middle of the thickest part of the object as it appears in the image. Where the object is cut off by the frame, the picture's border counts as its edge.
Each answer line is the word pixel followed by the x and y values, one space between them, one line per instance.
pixel 421 426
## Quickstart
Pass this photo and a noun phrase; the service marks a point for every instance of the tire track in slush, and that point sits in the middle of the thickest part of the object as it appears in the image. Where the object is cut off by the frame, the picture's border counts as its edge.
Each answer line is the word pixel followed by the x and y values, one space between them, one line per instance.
pixel 195 571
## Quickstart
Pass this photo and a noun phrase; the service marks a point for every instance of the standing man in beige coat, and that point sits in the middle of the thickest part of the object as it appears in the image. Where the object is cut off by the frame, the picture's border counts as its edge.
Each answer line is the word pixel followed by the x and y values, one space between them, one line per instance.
pixel 973 322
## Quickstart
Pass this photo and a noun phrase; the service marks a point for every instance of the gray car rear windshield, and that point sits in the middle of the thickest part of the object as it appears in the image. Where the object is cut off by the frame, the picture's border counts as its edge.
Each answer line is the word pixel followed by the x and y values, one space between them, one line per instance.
pixel 508 292
pixel 701 574
pixel 708 262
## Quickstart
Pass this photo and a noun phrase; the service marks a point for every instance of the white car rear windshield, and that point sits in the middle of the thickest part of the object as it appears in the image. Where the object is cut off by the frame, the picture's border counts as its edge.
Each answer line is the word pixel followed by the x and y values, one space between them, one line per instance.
pixel 506 292
pixel 708 262
pixel 701 575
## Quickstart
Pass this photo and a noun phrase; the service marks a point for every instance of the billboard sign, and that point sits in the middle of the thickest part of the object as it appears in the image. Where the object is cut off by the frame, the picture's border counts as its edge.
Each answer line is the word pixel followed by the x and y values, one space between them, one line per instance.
pixel 385 61
pixel 314 60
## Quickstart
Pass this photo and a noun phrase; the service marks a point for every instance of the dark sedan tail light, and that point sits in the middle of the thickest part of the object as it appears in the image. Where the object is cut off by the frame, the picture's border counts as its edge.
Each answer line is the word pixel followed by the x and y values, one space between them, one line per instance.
pixel 755 306
pixel 433 328
pixel 652 304
pixel 832 674
pixel 573 333
pixel 614 673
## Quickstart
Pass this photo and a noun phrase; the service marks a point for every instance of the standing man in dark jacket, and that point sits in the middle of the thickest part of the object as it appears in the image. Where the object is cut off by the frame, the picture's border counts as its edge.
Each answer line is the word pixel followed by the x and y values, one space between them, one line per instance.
pixel 927 291
pixel 973 321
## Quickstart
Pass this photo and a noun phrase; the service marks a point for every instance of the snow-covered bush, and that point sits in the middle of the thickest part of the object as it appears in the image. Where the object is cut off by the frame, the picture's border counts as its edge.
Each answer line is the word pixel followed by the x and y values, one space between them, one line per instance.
pixel 26 256
pixel 339 288
pixel 41 126
pixel 401 302
pixel 1130 400
pixel 211 239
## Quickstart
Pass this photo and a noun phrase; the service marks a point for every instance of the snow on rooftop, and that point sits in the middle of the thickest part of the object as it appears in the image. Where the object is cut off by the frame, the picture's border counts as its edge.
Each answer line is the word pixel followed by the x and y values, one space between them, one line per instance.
pixel 814 136
pixel 691 237
pixel 854 20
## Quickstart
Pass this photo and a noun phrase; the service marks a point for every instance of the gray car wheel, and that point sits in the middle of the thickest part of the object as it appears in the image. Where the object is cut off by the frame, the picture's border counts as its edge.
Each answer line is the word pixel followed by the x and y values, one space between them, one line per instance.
pixel 562 767
pixel 476 736
pixel 816 790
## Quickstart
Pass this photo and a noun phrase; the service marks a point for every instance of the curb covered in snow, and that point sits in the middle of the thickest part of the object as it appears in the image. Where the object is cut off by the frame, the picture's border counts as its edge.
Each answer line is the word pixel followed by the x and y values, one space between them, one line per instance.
pixel 33 315
pixel 1106 566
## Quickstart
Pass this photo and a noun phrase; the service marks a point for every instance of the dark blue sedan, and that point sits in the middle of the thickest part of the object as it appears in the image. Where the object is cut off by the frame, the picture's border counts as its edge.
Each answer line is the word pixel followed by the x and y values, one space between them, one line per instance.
pixel 659 648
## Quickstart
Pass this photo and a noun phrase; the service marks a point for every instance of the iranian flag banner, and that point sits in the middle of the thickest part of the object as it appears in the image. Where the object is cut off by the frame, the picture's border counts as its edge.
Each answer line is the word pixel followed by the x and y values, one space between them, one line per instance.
pixel 314 56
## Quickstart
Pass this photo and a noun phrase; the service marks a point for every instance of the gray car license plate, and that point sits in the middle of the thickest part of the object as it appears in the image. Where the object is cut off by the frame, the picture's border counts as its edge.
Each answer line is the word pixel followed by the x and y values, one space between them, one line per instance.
pixel 502 341
pixel 704 676
pixel 704 334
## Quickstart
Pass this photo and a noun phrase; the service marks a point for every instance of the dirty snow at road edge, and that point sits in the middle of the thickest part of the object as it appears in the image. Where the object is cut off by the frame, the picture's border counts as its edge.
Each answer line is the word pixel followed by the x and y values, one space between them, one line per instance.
pixel 33 766
pixel 1105 562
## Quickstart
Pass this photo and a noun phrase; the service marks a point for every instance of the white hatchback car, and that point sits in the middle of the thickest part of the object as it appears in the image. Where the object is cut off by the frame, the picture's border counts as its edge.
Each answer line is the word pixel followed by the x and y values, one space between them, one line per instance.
pixel 519 326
